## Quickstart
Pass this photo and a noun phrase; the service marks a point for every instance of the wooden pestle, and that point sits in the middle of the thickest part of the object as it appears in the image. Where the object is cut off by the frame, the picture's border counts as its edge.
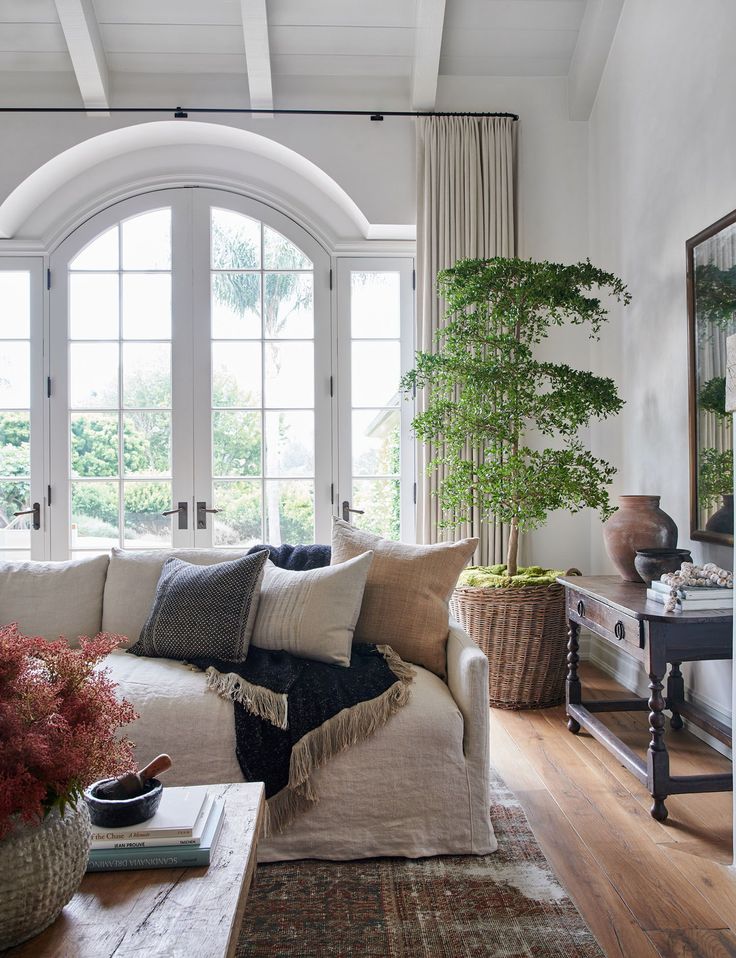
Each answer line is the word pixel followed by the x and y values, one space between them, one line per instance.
pixel 132 783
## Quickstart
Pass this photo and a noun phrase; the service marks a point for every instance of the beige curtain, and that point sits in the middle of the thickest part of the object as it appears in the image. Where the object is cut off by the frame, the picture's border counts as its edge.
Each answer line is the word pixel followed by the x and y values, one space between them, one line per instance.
pixel 465 208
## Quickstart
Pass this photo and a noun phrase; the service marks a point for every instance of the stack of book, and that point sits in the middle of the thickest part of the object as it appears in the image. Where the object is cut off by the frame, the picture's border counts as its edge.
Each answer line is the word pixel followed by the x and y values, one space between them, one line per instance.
pixel 692 598
pixel 183 831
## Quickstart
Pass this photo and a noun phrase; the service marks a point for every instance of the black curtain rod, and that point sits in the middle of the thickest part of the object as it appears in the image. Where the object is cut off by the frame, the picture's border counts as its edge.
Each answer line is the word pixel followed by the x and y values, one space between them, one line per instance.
pixel 181 113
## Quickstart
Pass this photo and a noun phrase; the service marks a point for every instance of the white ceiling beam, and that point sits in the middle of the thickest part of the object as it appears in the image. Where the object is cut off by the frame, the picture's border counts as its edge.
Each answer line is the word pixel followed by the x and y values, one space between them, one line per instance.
pixel 257 54
pixel 82 35
pixel 427 47
pixel 597 30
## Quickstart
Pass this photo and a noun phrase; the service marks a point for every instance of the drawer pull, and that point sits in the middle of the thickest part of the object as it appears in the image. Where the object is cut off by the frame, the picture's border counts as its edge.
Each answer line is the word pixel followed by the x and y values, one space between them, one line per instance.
pixel 581 607
pixel 619 630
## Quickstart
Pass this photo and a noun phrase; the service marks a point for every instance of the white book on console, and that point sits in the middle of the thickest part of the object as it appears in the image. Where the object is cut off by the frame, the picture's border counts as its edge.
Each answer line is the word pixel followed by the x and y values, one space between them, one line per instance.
pixel 699 593
pixel 125 842
pixel 176 816
pixel 697 605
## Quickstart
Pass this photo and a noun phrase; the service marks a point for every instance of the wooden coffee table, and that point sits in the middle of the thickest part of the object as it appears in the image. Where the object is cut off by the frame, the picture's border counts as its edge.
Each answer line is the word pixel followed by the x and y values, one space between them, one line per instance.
pixel 193 912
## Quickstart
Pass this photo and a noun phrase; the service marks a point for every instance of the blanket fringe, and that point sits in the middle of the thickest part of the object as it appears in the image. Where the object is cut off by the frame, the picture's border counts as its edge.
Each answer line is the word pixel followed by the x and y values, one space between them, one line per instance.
pixel 347 728
pixel 270 706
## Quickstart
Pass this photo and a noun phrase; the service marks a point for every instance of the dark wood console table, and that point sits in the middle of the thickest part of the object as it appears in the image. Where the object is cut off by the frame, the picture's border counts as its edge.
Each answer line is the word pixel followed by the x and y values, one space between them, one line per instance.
pixel 620 613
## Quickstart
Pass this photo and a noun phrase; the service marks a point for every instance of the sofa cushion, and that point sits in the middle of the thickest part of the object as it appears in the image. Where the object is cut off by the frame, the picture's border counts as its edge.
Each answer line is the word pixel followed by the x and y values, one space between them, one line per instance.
pixel 405 603
pixel 312 614
pixel 203 610
pixel 132 579
pixel 54 598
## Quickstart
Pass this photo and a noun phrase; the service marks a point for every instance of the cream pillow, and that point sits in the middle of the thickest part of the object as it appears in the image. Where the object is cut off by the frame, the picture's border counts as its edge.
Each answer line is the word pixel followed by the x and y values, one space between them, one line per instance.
pixel 53 599
pixel 406 598
pixel 312 614
pixel 132 580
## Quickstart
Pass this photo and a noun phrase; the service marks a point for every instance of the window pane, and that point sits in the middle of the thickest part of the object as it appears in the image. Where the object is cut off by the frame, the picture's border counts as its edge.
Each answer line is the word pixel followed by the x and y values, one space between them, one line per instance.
pixel 236 241
pixel 15 296
pixel 147 443
pixel 375 305
pixel 8 555
pixel 236 374
pixel 147 241
pixel 93 375
pixel 95 441
pixel 238 522
pixel 381 501
pixel 15 375
pixel 289 375
pixel 236 443
pixel 289 511
pixel 101 253
pixel 147 306
pixel 93 305
pixel 15 496
pixel 376 442
pixel 146 375
pixel 288 305
pixel 290 443
pixel 281 253
pixel 145 526
pixel 15 444
pixel 94 515
pixel 236 305
pixel 375 373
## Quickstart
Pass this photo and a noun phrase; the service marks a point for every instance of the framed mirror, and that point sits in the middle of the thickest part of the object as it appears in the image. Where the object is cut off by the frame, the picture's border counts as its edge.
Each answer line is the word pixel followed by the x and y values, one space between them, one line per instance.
pixel 711 304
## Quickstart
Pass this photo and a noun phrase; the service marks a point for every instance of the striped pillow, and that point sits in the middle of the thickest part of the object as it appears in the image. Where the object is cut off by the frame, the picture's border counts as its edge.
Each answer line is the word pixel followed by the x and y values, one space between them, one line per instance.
pixel 312 614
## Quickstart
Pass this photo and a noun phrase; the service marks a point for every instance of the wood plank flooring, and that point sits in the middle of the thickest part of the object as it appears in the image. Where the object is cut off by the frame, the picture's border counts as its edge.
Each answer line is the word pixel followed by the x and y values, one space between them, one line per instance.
pixel 646 889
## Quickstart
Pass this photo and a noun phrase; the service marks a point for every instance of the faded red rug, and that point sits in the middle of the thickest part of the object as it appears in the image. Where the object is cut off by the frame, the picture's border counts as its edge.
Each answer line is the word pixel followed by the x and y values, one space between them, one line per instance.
pixel 505 905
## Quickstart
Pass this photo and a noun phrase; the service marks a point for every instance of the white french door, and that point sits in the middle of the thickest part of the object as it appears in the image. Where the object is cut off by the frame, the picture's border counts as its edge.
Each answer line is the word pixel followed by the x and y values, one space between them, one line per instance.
pixel 375 347
pixel 23 526
pixel 191 355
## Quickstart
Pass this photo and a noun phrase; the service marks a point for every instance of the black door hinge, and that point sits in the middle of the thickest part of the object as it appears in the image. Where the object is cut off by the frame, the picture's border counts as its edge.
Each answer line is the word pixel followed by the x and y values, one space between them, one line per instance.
pixel 332 493
pixel 48 495
pixel 332 386
pixel 48 387
pixel 413 279
pixel 330 277
pixel 415 493
pixel 48 279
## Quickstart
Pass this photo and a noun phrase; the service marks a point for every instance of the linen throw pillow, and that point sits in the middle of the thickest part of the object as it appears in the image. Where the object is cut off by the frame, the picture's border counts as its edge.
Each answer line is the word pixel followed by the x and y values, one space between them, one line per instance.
pixel 203 610
pixel 405 604
pixel 312 614
pixel 53 599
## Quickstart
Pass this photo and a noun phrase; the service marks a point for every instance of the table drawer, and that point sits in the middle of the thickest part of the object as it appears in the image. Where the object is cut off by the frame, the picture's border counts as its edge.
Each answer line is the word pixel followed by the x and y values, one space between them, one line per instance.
pixel 604 620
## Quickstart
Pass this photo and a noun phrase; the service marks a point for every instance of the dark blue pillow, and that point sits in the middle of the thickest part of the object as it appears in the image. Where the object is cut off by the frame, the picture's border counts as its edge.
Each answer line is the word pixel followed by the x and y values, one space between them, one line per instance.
pixel 297 558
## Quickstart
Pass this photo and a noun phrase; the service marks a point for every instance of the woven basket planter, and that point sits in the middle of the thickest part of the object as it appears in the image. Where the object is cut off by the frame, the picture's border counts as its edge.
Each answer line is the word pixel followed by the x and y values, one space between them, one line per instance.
pixel 41 867
pixel 523 632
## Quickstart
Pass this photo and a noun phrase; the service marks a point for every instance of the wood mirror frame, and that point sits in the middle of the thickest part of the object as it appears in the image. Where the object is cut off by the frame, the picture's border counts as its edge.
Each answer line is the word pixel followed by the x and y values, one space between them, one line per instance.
pixel 711 309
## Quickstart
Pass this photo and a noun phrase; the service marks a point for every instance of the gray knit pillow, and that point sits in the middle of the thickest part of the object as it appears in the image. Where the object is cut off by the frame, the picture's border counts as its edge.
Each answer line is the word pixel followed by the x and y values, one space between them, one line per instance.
pixel 203 610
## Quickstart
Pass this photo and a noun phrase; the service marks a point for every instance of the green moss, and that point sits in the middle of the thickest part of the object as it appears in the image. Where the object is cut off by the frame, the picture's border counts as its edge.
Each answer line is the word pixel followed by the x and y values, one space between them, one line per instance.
pixel 494 576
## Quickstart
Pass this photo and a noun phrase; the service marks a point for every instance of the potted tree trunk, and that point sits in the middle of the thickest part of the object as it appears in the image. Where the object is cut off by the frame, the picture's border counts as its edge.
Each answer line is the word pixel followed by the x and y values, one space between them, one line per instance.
pixel 503 428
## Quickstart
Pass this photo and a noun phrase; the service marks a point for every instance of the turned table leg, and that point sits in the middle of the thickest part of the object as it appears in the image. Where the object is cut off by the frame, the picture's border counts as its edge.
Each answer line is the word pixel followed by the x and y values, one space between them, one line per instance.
pixel 675 695
pixel 572 684
pixel 658 762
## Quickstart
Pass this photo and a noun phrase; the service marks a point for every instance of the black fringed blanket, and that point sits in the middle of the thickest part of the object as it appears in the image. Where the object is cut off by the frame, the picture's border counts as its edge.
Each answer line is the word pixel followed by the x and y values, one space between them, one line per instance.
pixel 292 715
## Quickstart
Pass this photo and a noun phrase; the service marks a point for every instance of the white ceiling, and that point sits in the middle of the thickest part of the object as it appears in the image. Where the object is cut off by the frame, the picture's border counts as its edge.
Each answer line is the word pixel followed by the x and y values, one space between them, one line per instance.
pixel 406 42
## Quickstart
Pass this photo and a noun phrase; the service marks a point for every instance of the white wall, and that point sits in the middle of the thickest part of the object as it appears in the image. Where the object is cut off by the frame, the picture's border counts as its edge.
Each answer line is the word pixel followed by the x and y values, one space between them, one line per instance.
pixel 661 167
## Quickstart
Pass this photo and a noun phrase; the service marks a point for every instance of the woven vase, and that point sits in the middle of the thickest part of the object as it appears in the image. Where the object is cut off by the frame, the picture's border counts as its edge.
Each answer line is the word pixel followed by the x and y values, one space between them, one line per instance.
pixel 41 866
pixel 523 632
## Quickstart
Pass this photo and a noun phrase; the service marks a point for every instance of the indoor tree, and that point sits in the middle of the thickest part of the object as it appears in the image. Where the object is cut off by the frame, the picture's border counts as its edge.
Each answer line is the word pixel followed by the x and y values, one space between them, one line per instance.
pixel 490 398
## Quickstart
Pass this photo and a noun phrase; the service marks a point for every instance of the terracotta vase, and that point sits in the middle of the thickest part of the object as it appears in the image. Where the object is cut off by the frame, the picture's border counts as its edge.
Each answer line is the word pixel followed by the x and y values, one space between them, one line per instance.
pixel 722 521
pixel 638 524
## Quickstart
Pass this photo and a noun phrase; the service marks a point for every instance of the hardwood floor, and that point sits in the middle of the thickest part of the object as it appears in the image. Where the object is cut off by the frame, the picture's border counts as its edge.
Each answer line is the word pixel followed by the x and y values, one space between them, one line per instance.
pixel 646 889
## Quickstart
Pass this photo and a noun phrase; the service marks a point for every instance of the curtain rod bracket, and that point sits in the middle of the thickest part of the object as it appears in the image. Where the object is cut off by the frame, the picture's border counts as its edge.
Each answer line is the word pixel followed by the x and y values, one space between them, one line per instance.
pixel 377 117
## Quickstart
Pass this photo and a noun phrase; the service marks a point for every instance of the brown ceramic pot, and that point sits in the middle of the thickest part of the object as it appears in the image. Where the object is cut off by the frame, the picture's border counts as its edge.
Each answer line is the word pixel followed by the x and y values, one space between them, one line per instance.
pixel 638 524
pixel 722 521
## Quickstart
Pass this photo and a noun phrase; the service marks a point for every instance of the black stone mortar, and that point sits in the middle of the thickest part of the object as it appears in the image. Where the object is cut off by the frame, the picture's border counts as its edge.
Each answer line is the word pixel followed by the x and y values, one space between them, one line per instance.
pixel 653 563
pixel 117 813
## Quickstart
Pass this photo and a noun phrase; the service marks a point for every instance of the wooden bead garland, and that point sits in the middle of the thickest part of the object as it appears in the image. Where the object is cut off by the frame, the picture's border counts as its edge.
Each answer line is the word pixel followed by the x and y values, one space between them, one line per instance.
pixel 709 576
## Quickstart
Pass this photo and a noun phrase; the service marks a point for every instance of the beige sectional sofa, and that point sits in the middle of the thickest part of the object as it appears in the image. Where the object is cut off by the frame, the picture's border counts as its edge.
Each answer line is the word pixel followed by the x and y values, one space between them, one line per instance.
pixel 419 786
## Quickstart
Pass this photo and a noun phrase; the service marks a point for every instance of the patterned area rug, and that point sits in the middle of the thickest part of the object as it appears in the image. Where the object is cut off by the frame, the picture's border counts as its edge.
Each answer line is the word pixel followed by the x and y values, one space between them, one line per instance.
pixel 505 905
